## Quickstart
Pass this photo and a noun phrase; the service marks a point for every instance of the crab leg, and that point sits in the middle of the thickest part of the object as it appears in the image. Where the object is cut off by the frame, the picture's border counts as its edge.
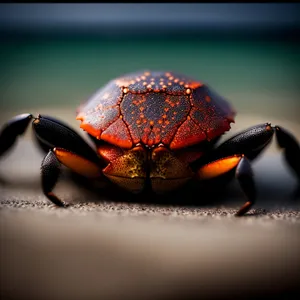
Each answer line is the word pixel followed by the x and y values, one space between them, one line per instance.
pixel 254 140
pixel 69 149
pixel 251 142
pixel 243 173
pixel 11 130
pixel 291 149
pixel 44 145
pixel 49 132
pixel 63 145
pixel 248 145
pixel 51 169
pixel 53 133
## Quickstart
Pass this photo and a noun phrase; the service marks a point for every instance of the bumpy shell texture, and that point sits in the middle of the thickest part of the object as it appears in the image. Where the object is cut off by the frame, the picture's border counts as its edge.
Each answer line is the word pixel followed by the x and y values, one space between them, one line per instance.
pixel 155 107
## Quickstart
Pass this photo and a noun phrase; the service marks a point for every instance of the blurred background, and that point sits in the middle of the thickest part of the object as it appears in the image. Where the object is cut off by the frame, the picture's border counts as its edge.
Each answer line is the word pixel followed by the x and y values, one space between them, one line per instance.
pixel 54 56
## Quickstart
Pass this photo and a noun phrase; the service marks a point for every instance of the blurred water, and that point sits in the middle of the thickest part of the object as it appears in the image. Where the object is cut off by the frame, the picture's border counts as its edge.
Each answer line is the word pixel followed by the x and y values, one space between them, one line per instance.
pixel 54 56
pixel 256 76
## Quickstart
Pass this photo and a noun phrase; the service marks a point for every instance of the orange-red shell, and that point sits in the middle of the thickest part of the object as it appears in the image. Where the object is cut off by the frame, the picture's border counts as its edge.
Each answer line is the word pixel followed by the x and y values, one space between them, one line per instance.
pixel 154 107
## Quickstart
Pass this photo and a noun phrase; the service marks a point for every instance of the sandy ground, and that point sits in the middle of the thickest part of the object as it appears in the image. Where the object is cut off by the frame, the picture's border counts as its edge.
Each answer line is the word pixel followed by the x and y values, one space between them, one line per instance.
pixel 108 245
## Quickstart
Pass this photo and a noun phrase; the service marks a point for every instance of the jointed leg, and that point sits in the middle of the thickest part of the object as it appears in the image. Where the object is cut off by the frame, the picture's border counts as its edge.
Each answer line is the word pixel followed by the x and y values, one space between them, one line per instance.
pixel 11 130
pixel 243 173
pixel 247 145
pixel 251 142
pixel 291 149
pixel 254 140
pixel 50 171
pixel 50 133
pixel 51 168
pixel 65 146
pixel 53 133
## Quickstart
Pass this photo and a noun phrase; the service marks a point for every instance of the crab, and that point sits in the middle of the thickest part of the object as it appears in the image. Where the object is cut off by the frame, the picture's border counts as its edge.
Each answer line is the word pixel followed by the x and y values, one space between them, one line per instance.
pixel 152 129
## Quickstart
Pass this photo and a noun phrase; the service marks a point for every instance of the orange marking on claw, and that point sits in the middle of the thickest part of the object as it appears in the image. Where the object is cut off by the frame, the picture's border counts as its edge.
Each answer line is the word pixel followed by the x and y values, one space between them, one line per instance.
pixel 78 164
pixel 218 167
